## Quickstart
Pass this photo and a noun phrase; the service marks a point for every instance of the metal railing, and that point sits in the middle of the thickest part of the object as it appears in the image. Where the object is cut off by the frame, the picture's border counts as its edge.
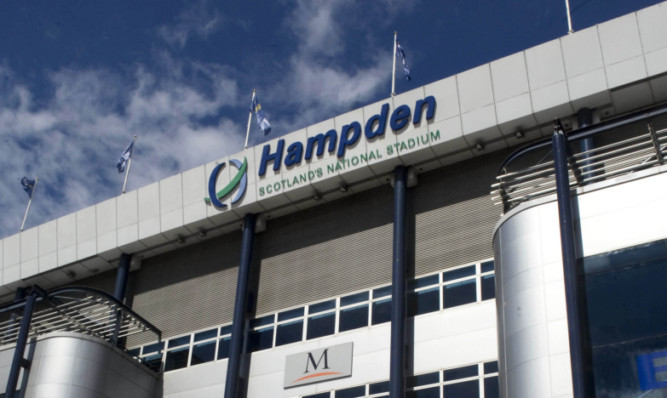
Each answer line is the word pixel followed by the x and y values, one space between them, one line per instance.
pixel 75 309
pixel 623 146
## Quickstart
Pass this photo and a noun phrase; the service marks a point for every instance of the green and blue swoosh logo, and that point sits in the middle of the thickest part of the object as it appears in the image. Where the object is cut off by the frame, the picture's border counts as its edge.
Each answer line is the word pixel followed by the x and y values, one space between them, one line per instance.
pixel 240 180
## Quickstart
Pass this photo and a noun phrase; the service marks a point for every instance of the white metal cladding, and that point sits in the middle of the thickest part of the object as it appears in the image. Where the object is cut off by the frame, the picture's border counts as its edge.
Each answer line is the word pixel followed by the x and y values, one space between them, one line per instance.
pixel 326 251
pixel 188 289
pixel 454 216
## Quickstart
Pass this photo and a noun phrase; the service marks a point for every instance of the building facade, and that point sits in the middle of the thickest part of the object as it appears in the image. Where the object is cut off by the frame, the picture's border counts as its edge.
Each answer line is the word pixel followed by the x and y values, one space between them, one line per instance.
pixel 364 256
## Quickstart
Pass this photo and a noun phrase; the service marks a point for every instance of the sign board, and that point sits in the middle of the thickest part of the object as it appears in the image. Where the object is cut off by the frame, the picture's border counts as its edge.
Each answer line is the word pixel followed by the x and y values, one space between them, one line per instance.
pixel 318 365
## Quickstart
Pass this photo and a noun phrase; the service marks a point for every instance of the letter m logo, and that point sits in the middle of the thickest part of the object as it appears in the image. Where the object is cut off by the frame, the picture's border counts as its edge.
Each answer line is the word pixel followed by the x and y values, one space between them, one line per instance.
pixel 310 360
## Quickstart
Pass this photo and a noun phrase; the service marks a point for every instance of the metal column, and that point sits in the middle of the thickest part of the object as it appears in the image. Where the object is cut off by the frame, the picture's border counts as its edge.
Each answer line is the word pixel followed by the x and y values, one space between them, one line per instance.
pixel 240 309
pixel 568 248
pixel 122 275
pixel 398 287
pixel 19 361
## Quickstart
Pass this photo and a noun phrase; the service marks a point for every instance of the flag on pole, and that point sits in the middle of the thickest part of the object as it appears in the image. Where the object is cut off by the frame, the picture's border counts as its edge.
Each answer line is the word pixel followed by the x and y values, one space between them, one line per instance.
pixel 125 158
pixel 28 185
pixel 262 121
pixel 401 53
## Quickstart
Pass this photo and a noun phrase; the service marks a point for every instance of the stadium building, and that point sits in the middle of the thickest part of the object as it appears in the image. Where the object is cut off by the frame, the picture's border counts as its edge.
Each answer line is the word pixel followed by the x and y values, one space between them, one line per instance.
pixel 450 241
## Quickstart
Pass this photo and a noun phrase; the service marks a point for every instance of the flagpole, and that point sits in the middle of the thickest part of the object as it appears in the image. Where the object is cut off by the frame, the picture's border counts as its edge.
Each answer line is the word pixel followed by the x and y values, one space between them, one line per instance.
pixel 569 18
pixel 247 133
pixel 25 216
pixel 393 69
pixel 129 163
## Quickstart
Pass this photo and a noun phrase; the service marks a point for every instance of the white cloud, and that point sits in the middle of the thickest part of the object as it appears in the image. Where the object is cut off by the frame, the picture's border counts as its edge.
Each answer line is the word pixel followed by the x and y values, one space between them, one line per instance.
pixel 200 19
pixel 73 142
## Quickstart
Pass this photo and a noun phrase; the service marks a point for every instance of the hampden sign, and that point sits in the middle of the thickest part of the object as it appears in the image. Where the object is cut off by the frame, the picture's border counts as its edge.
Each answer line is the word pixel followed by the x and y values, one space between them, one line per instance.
pixel 332 141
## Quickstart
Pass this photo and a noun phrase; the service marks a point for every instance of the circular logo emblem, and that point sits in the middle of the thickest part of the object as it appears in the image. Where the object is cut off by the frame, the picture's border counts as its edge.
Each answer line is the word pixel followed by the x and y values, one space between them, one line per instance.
pixel 240 180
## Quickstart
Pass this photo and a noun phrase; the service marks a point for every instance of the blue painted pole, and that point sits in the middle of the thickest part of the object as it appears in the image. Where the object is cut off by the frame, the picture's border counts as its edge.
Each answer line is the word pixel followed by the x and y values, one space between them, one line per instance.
pixel 122 275
pixel 19 351
pixel 568 250
pixel 398 288
pixel 240 309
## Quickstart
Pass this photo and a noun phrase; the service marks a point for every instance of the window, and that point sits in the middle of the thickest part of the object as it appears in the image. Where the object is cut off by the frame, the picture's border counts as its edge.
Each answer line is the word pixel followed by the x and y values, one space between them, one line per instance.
pixel 426 294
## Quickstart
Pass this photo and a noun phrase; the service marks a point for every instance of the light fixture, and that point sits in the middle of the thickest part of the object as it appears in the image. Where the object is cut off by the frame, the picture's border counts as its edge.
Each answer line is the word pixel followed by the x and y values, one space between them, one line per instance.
pixel 344 188
pixel 518 134
pixel 479 146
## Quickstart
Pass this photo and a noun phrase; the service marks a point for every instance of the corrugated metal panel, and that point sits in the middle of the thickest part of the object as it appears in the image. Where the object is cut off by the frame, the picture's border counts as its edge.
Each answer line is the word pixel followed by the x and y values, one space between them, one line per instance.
pixel 454 214
pixel 188 289
pixel 326 251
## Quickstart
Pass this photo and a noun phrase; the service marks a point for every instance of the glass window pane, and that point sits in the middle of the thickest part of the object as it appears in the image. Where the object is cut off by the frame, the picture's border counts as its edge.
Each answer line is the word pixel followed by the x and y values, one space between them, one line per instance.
pixel 491 388
pixel 204 352
pixel 321 325
pixel 352 392
pixel 153 362
pixel 263 321
pixel 155 347
pixel 431 392
pixel 467 389
pixel 178 341
pixel 488 287
pixel 381 312
pixel 353 318
pixel 323 306
pixel 460 373
pixel 289 332
pixel 459 293
pixel 134 352
pixel 260 339
pixel 423 380
pixel 423 282
pixel 424 301
pixel 458 273
pixel 487 266
pixel 320 395
pixel 377 388
pixel 223 347
pixel 491 367
pixel 177 359
pixel 208 334
pixel 290 314
pixel 353 298
pixel 225 330
pixel 382 292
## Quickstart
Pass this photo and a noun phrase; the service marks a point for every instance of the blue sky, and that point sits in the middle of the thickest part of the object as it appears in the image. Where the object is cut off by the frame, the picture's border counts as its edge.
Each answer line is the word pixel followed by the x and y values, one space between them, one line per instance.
pixel 79 78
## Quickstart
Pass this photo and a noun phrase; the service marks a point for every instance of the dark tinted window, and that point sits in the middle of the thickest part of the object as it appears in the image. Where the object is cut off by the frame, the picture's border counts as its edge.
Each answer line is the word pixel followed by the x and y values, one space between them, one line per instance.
pixel 204 352
pixel 488 287
pixel 352 392
pixel 424 301
pixel 260 339
pixel 381 312
pixel 223 347
pixel 353 318
pixel 491 389
pixel 289 332
pixel 321 325
pixel 459 293
pixel 467 389
pixel 177 359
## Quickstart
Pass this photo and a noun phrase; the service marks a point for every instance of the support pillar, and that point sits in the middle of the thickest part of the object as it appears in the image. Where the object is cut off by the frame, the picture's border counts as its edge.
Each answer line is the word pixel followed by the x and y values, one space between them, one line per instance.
pixel 569 252
pixel 122 275
pixel 232 385
pixel 19 361
pixel 398 288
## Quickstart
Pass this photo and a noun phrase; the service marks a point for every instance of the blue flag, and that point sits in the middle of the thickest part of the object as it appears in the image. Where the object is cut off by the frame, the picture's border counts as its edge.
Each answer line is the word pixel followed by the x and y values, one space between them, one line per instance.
pixel 262 121
pixel 401 53
pixel 28 185
pixel 125 158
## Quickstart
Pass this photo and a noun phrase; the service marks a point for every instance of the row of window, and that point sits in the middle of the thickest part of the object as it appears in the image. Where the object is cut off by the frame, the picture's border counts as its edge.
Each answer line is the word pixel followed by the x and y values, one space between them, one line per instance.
pixel 451 288
pixel 474 381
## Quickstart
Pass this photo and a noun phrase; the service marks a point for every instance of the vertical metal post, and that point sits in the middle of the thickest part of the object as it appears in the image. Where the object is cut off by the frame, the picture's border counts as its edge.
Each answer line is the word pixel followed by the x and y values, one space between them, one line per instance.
pixel 240 308
pixel 568 249
pixel 122 275
pixel 21 341
pixel 398 288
